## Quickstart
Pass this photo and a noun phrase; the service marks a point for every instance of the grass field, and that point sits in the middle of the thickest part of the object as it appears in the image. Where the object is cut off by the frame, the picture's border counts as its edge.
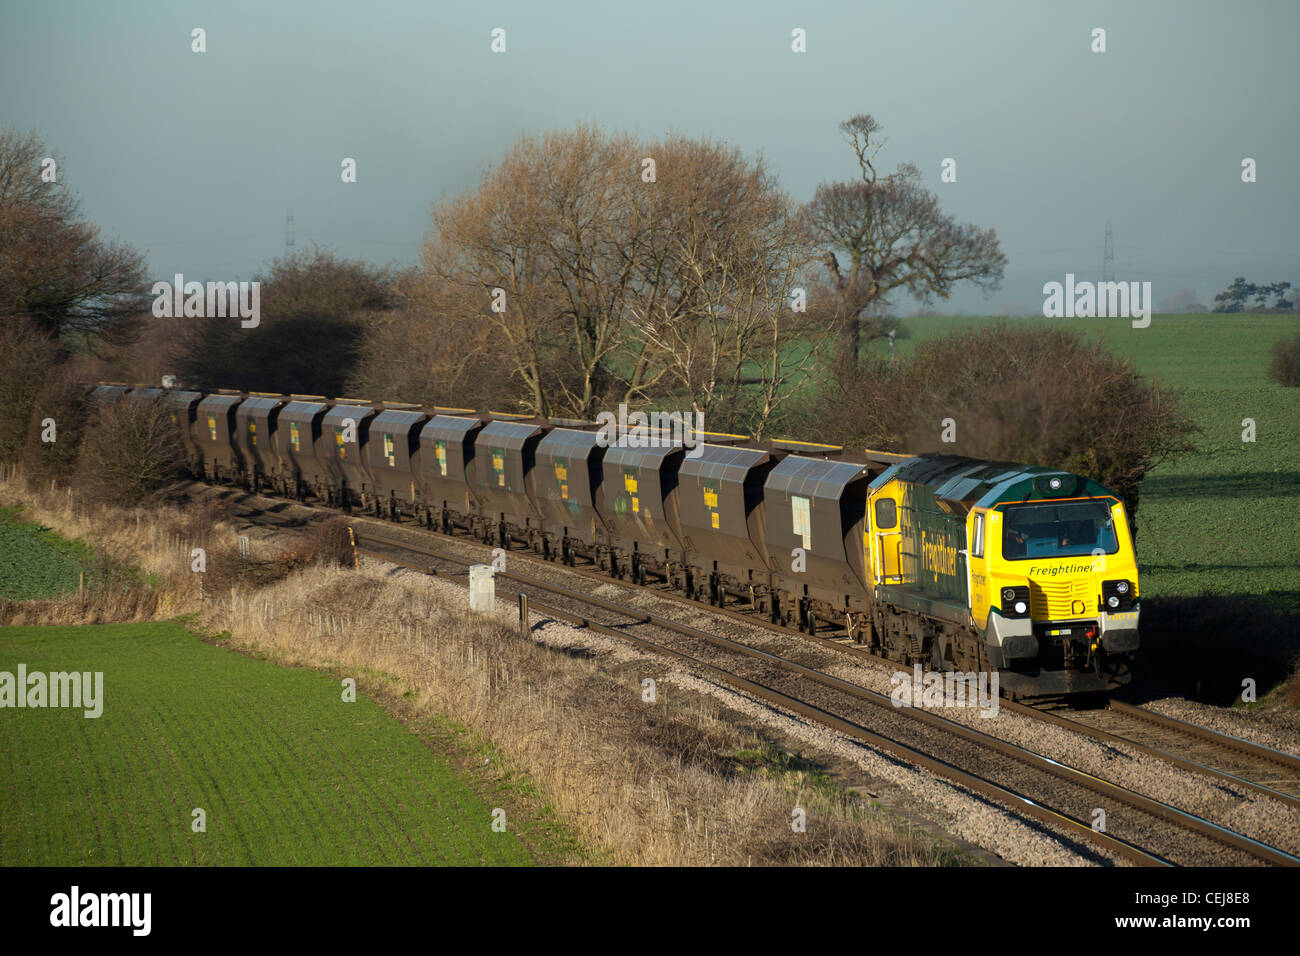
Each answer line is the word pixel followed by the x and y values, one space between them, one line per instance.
pixel 35 562
pixel 286 771
pixel 1225 521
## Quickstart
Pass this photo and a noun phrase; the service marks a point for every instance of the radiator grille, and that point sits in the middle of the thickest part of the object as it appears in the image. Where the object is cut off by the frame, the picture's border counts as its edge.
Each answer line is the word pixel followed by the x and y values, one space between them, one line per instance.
pixel 1054 600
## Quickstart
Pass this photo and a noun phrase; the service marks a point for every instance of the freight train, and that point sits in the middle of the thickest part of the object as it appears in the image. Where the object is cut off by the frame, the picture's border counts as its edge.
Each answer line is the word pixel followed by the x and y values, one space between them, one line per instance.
pixel 938 560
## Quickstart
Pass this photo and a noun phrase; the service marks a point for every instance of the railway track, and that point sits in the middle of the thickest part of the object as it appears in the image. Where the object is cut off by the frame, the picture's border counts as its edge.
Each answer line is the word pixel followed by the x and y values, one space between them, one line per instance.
pixel 1042 788
pixel 1199 750
pixel 1243 763
pixel 1151 832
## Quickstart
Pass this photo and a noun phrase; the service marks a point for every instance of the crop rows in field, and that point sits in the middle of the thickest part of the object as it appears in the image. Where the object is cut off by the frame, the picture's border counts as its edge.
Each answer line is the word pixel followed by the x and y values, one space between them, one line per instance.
pixel 286 772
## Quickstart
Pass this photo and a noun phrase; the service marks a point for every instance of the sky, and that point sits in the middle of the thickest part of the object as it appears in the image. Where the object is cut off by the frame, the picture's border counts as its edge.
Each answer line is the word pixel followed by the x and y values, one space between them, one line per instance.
pixel 198 157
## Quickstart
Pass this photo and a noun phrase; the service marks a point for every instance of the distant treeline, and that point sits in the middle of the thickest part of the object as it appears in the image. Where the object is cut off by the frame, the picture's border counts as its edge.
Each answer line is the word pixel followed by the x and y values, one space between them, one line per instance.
pixel 587 270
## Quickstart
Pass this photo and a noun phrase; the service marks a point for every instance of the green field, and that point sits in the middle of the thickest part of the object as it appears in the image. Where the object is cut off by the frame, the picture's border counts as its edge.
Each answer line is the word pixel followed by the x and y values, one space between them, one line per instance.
pixel 1179 350
pixel 35 562
pixel 286 771
pixel 1225 521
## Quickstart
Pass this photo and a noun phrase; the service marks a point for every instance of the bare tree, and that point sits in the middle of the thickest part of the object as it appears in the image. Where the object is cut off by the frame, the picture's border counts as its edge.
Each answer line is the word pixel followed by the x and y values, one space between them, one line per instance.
pixel 54 268
pixel 129 451
pixel 894 236
pixel 603 284
pixel 730 248
pixel 553 229
pixel 425 352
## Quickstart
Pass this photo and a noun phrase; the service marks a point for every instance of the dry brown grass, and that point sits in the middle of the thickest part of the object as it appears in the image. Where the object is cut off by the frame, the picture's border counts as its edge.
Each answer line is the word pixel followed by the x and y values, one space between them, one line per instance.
pixel 143 553
pixel 651 785
pixel 667 784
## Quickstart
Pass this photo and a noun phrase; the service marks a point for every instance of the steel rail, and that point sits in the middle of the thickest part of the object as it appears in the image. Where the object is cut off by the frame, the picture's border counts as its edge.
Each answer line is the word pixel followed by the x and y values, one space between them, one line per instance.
pixel 1224 741
pixel 1096 785
pixel 1108 737
pixel 900 751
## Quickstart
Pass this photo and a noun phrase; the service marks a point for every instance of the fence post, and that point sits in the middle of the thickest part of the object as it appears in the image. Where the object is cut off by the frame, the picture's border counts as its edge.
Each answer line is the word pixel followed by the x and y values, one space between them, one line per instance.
pixel 523 614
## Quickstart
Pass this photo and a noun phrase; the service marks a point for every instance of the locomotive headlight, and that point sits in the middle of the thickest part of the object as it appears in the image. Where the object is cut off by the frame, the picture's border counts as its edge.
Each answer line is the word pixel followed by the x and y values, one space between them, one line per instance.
pixel 1015 601
pixel 1116 596
pixel 1054 484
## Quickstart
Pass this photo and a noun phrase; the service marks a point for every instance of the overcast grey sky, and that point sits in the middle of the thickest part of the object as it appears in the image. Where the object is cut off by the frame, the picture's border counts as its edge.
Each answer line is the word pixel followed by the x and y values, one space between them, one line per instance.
pixel 197 157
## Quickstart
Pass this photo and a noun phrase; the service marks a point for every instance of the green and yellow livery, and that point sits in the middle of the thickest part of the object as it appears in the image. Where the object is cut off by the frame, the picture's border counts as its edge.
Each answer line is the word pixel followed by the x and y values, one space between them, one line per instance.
pixel 981 565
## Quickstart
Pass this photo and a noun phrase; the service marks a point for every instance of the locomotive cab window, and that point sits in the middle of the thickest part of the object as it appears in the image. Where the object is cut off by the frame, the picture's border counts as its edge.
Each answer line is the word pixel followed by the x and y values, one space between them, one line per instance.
pixel 886 513
pixel 1066 530
pixel 977 538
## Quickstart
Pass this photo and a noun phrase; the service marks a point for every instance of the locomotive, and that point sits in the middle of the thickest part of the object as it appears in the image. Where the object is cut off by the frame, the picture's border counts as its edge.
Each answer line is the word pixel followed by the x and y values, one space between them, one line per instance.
pixel 941 561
